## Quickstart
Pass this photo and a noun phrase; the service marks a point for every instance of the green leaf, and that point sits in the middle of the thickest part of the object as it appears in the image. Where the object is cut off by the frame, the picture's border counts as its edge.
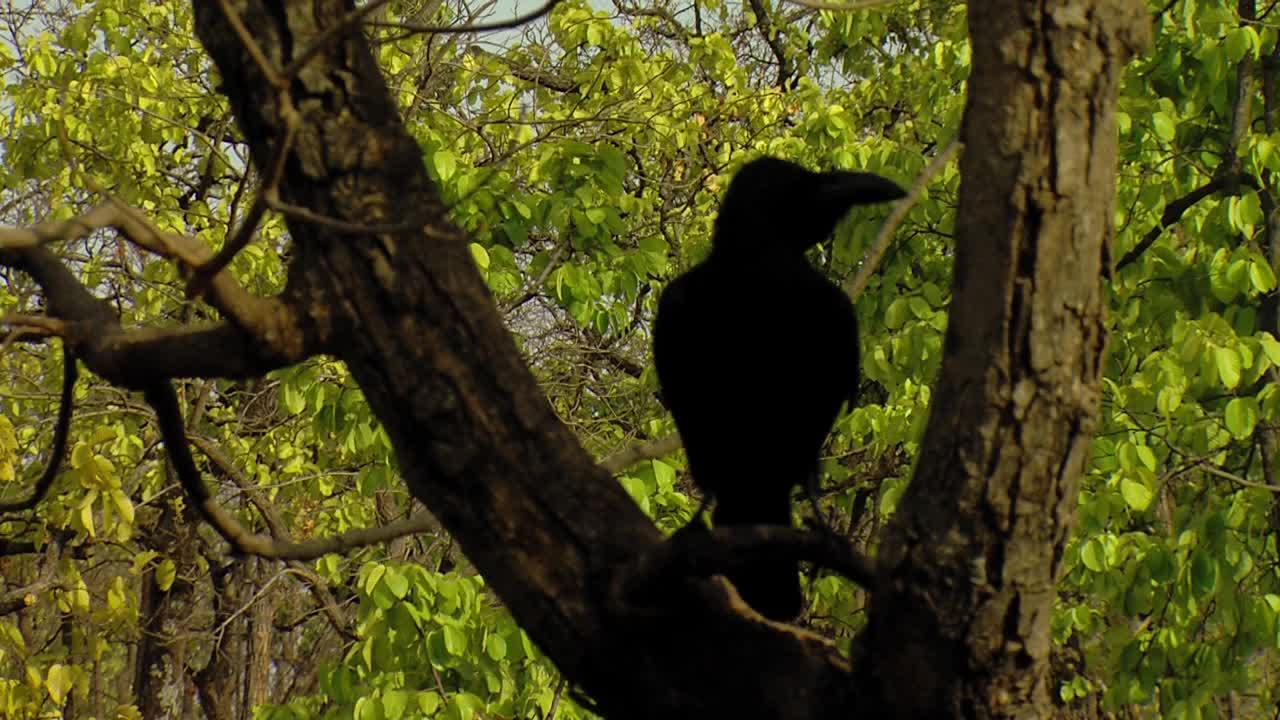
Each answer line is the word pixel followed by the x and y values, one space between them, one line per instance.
pixel 1228 364
pixel 1093 555
pixel 123 505
pixel 496 647
pixel 59 682
pixel 398 584
pixel 1241 416
pixel 166 573
pixel 394 704
pixel 1237 43
pixel 1146 456
pixel 1168 399
pixel 428 702
pixel 455 641
pixel 896 316
pixel 480 255
pixel 292 398
pixel 1204 573
pixel 1262 276
pixel 1162 566
pixel 445 163
pixel 1163 125
pixel 517 233
pixel 1270 347
pixel 1135 494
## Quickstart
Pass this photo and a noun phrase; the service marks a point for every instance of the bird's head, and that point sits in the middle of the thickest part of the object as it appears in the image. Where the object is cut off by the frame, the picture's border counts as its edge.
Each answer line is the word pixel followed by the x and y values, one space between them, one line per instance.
pixel 774 205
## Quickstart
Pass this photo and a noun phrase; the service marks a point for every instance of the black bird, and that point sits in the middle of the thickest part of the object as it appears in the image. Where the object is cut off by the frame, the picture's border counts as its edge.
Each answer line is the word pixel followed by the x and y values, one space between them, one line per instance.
pixel 756 351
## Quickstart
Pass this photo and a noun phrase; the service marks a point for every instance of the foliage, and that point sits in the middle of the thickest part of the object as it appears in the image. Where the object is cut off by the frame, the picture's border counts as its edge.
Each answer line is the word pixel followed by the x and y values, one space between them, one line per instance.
pixel 585 155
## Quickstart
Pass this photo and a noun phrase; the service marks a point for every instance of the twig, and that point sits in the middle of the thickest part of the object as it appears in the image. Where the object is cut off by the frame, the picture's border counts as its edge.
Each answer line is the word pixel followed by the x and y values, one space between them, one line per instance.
pixel 531 290
pixel 516 21
pixel 555 699
pixel 203 274
pixel 1236 478
pixel 840 7
pixel 871 260
pixel 623 459
pixel 1174 210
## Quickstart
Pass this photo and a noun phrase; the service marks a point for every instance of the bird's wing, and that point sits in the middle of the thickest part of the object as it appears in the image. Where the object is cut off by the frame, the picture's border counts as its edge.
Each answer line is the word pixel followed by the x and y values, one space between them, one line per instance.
pixel 695 353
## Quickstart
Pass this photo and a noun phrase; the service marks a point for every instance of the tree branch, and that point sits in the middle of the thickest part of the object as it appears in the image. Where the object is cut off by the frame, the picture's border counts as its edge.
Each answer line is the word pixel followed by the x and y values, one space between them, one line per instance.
pixel 701 552
pixel 871 261
pixel 1174 211
pixel 773 37
pixel 623 459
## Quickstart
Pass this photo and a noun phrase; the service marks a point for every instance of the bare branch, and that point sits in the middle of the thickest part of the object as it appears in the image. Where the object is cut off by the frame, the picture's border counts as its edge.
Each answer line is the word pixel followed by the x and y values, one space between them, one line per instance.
pixel 1173 212
pixel 419 522
pixel 49 232
pixel 839 6
pixel 30 328
pixel 203 274
pixel 1225 475
pixel 164 401
pixel 527 72
pixel 516 21
pixel 773 37
pixel 20 598
pixel 136 357
pixel 899 213
pixel 623 459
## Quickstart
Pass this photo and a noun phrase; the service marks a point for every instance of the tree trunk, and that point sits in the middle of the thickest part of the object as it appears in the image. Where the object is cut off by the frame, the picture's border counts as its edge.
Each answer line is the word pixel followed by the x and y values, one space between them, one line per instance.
pixel 960 624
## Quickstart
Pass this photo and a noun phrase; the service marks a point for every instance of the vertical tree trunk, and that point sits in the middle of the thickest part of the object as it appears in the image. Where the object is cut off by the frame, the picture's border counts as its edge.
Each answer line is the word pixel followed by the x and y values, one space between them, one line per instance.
pixel 960 624
pixel 262 633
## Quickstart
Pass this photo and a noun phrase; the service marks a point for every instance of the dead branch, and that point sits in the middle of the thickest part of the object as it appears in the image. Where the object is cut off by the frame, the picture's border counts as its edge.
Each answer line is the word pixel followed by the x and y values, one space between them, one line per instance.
pixel 625 458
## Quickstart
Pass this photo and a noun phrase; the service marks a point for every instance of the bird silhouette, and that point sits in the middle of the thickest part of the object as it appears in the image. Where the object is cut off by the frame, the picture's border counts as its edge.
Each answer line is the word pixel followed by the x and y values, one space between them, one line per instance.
pixel 756 351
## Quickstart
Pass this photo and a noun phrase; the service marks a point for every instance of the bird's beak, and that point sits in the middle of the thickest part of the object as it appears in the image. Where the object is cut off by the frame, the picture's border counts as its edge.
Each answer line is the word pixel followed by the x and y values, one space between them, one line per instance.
pixel 846 189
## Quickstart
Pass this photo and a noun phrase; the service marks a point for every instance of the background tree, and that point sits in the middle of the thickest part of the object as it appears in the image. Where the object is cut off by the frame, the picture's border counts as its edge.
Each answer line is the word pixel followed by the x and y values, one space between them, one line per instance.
pixel 583 162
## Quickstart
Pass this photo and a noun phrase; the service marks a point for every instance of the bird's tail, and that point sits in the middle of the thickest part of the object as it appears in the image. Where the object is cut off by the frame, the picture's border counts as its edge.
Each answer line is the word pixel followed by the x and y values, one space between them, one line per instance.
pixel 772 588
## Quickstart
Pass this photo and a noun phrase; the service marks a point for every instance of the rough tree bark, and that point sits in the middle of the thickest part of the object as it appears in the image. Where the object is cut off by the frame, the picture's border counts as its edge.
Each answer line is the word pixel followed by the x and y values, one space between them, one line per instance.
pixel 959 621
pixel 960 624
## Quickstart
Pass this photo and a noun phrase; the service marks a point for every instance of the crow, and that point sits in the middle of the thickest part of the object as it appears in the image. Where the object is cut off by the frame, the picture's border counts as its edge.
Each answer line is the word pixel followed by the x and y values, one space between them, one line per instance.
pixel 756 351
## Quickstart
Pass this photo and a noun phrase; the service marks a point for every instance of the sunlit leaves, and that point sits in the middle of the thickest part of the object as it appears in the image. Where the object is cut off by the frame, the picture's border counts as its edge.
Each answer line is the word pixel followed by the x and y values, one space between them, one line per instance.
pixel 438 628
